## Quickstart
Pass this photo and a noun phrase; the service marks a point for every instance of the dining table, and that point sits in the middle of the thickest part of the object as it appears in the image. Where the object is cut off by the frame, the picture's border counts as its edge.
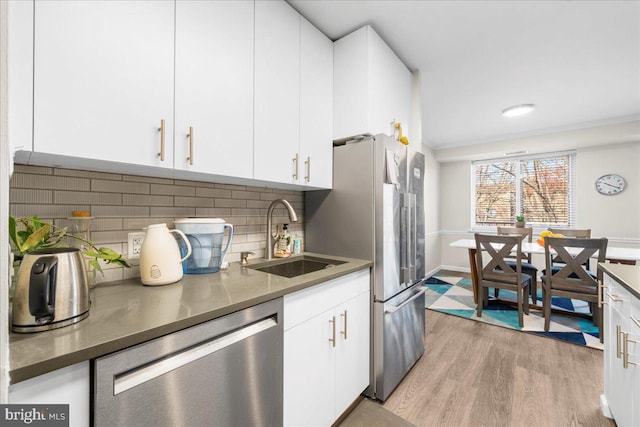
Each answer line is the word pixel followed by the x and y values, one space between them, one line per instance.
pixel 614 254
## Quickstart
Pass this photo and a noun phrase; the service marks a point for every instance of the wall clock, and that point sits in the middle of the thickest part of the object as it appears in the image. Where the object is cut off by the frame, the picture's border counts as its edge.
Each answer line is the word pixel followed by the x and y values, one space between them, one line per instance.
pixel 610 184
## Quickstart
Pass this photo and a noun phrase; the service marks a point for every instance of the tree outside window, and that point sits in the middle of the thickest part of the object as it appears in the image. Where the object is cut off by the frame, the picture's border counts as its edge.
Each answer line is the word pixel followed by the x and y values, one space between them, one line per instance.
pixel 540 188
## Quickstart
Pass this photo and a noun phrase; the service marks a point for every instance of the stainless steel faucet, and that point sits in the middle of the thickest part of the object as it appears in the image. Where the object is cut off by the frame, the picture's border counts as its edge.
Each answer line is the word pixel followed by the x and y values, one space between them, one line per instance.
pixel 271 239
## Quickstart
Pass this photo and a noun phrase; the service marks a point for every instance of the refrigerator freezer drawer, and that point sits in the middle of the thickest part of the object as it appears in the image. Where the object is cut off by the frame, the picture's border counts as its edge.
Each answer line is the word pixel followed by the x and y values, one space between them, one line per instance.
pixel 399 338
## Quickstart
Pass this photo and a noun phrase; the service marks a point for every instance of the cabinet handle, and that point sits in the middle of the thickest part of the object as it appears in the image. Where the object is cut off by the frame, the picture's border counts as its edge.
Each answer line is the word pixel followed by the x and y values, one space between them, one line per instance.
pixel 614 297
pixel 625 350
pixel 601 289
pixel 161 129
pixel 618 346
pixel 636 321
pixel 190 136
pixel 332 340
pixel 295 169
pixel 344 316
pixel 307 164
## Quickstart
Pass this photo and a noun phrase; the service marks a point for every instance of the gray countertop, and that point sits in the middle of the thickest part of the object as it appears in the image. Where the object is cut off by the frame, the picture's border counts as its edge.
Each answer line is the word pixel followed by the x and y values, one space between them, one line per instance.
pixel 126 313
pixel 627 275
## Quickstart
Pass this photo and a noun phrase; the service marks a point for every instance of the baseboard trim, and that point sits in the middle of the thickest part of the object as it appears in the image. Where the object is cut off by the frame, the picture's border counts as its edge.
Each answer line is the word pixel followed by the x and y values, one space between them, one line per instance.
pixel 455 268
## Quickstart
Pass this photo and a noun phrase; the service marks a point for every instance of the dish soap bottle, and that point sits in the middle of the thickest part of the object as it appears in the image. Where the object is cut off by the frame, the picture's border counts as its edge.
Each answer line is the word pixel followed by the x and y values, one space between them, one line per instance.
pixel 283 243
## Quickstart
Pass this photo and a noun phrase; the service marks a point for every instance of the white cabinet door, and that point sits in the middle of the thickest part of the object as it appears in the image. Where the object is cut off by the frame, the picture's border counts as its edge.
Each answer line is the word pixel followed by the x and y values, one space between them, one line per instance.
pixel 277 92
pixel 621 400
pixel 316 107
pixel 214 87
pixel 103 80
pixel 70 385
pixel 309 382
pixel 352 351
pixel 372 87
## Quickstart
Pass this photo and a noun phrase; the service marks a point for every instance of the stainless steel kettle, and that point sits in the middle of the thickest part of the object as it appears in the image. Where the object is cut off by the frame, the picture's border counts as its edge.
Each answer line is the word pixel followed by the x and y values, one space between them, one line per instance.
pixel 52 290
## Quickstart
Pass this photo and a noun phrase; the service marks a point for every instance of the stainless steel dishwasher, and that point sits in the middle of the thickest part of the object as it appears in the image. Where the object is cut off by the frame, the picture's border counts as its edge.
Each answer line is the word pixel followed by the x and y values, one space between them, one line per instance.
pixel 225 372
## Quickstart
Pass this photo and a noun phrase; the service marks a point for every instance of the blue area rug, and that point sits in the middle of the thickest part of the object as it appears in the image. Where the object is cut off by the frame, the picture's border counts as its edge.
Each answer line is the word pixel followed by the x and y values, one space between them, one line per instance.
pixel 454 295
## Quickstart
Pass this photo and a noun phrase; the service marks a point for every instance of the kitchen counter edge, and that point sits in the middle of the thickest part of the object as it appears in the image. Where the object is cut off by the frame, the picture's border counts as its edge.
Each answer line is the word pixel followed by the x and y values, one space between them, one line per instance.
pixel 626 275
pixel 28 357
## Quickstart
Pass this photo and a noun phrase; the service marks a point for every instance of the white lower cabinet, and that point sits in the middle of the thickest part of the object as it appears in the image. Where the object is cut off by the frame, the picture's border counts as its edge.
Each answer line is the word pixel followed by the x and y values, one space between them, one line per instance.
pixel 69 385
pixel 326 349
pixel 621 354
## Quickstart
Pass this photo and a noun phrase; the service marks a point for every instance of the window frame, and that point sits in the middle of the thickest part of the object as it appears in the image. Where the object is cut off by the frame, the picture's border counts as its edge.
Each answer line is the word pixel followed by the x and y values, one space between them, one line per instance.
pixel 572 214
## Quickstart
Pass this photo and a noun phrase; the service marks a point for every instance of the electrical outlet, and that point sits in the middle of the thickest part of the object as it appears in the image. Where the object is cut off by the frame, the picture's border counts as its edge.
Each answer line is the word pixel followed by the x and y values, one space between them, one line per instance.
pixel 135 244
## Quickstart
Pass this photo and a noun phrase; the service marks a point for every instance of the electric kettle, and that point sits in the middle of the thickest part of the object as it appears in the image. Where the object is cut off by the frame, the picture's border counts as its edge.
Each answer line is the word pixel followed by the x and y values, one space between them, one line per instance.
pixel 52 290
pixel 160 261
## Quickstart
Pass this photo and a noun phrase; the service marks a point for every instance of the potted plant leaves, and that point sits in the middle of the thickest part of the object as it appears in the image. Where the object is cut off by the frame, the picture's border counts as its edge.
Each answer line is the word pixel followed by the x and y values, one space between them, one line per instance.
pixel 520 222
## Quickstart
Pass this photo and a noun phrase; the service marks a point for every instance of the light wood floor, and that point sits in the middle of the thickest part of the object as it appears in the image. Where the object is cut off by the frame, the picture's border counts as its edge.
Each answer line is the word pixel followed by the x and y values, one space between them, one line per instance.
pixel 476 374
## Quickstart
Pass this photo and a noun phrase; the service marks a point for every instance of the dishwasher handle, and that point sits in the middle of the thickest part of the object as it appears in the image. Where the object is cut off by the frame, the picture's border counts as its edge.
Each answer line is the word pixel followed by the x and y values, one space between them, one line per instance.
pixel 137 376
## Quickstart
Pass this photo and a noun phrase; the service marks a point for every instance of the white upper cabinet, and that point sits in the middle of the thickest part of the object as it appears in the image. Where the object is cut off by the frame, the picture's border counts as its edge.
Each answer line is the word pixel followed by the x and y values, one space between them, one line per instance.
pixel 277 92
pixel 214 87
pixel 372 87
pixel 103 80
pixel 316 107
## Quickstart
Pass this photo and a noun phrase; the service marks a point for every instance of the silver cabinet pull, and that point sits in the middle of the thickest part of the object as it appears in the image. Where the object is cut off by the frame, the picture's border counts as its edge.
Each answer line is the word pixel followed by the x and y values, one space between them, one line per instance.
pixel 295 168
pixel 190 136
pixel 344 316
pixel 618 340
pixel 625 350
pixel 601 289
pixel 307 164
pixel 161 130
pixel 332 340
pixel 148 372
pixel 614 297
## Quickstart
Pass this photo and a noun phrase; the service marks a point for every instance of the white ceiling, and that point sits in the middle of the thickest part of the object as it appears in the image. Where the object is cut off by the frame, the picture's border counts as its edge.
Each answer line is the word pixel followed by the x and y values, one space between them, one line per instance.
pixel 578 61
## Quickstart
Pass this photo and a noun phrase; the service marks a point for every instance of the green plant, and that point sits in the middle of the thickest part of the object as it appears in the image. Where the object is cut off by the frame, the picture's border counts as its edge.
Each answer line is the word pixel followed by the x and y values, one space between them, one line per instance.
pixel 520 218
pixel 42 235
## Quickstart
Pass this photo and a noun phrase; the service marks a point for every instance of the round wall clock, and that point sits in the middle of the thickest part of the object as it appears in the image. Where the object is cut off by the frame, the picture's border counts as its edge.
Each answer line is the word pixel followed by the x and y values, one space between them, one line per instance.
pixel 610 184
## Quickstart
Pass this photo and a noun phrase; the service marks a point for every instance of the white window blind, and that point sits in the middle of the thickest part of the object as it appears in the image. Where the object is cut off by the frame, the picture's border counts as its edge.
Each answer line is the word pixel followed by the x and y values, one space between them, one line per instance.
pixel 539 187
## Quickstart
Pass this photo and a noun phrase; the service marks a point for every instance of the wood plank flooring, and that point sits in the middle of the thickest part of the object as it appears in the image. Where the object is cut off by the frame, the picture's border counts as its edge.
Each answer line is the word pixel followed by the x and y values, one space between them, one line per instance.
pixel 476 374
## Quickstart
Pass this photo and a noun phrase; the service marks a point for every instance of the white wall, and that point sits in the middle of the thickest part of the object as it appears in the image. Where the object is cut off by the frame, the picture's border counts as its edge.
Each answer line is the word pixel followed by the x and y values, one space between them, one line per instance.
pixel 615 217
pixel 432 213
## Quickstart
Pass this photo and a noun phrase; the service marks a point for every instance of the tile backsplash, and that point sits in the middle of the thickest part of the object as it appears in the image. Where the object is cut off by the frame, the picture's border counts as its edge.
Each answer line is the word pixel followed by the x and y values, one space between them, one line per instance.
pixel 121 204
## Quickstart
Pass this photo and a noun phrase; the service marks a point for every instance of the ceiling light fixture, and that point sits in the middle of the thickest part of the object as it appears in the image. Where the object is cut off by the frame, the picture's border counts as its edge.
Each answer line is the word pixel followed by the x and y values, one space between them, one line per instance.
pixel 518 110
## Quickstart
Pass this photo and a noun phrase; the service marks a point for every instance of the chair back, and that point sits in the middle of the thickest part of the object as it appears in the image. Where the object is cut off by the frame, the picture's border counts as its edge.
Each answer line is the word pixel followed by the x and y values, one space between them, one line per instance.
pixel 577 233
pixel 526 232
pixel 574 253
pixel 497 249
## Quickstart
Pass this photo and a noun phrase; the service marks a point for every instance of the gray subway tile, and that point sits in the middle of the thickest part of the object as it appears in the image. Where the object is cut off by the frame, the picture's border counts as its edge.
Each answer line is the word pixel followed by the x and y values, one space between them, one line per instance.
pixel 213 192
pixel 50 182
pixel 102 237
pixel 213 212
pixel 175 212
pixel 86 197
pixel 137 224
pixel 247 195
pixel 146 200
pixel 45 211
pixel 120 211
pixel 34 196
pixel 87 174
pixel 150 180
pixel 196 202
pixel 230 203
pixel 119 186
pixel 172 190
pixel 38 170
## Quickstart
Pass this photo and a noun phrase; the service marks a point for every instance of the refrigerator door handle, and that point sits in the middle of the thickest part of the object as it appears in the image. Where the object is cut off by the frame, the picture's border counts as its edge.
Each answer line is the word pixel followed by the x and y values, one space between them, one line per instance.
pixel 413 238
pixel 404 244
pixel 399 307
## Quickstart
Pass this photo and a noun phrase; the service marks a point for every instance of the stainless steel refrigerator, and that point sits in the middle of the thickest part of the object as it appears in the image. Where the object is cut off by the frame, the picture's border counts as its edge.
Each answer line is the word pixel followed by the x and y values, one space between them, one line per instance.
pixel 376 211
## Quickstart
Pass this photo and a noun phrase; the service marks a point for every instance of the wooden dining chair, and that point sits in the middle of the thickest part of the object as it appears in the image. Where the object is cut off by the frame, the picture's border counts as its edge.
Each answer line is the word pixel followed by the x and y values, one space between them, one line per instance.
pixel 572 280
pixel 577 233
pixel 497 273
pixel 527 266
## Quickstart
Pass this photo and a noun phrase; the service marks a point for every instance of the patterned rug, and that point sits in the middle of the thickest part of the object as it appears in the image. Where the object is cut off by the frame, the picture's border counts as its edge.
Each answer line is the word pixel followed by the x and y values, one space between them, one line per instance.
pixel 454 295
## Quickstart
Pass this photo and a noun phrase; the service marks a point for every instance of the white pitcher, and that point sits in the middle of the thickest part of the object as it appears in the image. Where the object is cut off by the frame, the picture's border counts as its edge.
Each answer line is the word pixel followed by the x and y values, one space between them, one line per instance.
pixel 160 262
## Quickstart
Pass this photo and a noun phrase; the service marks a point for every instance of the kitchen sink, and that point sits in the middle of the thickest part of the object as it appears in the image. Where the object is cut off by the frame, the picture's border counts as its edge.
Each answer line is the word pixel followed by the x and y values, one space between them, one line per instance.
pixel 297 266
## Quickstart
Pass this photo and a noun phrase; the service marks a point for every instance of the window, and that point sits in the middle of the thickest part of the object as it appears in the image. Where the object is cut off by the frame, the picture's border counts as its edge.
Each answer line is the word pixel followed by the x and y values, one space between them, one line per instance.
pixel 538 187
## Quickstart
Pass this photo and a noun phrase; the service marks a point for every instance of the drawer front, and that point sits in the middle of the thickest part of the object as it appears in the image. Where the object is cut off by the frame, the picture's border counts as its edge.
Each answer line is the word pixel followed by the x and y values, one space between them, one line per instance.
pixel 310 302
pixel 617 296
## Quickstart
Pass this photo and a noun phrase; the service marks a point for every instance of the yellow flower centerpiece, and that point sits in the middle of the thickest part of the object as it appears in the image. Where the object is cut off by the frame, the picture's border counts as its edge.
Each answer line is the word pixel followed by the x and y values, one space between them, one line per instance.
pixel 546 233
